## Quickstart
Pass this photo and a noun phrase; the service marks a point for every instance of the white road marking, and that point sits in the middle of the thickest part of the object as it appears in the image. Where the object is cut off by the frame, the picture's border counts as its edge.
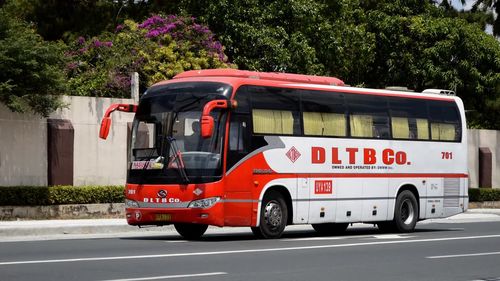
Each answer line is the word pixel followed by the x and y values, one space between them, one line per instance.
pixel 392 236
pixel 326 238
pixel 169 276
pixel 249 250
pixel 464 255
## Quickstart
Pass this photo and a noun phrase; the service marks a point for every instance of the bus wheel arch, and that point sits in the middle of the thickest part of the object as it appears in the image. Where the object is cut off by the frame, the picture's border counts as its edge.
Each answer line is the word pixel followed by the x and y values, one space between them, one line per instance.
pixel 406 211
pixel 275 212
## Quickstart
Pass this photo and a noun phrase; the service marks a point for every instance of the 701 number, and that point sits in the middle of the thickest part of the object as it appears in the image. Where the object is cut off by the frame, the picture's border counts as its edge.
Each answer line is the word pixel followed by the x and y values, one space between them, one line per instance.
pixel 446 155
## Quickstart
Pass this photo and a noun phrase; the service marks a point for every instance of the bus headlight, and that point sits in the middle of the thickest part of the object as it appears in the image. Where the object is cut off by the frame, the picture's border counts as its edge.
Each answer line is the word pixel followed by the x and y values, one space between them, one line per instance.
pixel 204 203
pixel 131 204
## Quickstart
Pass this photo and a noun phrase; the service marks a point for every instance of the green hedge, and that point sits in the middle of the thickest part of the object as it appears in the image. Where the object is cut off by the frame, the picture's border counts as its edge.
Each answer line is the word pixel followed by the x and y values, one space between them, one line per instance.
pixel 484 194
pixel 54 195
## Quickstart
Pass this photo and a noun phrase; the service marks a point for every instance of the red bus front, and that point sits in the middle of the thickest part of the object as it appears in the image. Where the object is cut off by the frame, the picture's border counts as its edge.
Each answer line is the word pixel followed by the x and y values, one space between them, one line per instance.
pixel 174 174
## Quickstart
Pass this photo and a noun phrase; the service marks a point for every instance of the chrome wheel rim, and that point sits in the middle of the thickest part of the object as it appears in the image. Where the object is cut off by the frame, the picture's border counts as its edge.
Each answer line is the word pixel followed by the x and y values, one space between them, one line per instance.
pixel 273 214
pixel 407 212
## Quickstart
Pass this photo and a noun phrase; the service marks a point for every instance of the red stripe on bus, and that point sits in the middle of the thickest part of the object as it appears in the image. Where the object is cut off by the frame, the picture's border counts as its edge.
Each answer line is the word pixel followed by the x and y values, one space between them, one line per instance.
pixel 373 175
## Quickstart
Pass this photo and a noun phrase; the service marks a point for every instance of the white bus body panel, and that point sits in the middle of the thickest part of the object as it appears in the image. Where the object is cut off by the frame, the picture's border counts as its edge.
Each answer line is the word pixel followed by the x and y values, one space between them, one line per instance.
pixel 363 192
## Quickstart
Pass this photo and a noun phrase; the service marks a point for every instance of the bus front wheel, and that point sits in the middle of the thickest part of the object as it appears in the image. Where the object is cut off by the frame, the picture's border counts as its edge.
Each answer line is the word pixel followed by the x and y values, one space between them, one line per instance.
pixel 191 231
pixel 273 216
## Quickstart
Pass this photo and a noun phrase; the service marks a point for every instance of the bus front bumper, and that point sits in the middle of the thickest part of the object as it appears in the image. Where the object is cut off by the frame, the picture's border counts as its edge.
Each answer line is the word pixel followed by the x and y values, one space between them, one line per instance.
pixel 165 216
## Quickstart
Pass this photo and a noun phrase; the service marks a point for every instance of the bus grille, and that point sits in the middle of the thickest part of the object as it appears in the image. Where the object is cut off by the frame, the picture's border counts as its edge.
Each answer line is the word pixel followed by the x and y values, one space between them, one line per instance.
pixel 451 192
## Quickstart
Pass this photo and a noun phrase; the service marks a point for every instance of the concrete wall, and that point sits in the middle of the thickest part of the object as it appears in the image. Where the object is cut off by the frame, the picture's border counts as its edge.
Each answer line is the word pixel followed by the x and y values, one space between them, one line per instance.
pixel 23 149
pixel 483 138
pixel 97 161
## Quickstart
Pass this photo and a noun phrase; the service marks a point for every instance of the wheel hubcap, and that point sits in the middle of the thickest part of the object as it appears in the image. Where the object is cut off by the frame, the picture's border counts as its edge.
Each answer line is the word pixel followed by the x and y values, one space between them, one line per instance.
pixel 407 212
pixel 273 214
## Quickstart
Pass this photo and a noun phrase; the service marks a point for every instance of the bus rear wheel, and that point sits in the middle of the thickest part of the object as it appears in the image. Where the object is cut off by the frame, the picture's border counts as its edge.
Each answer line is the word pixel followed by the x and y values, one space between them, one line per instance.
pixel 330 228
pixel 273 216
pixel 405 214
pixel 191 231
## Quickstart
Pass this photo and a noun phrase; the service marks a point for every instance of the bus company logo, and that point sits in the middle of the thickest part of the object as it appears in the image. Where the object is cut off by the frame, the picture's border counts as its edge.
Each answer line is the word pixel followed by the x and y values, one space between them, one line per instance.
pixel 293 154
pixel 162 193
pixel 369 156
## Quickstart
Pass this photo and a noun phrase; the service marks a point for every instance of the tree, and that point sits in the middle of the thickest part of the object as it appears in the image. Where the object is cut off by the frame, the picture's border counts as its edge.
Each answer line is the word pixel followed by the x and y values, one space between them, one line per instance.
pixel 158 48
pixel 421 52
pixel 68 19
pixel 300 36
pixel 31 70
pixel 489 6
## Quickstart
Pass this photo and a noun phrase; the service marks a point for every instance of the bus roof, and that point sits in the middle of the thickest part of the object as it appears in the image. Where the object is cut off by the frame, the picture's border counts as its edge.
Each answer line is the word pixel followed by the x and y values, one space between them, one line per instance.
pixel 274 76
pixel 244 77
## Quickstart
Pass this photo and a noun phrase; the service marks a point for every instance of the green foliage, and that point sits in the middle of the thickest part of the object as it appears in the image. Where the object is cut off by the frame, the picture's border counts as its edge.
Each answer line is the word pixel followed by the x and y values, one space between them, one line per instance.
pixel 300 36
pixel 31 69
pixel 428 52
pixel 57 195
pixel 484 194
pixel 68 19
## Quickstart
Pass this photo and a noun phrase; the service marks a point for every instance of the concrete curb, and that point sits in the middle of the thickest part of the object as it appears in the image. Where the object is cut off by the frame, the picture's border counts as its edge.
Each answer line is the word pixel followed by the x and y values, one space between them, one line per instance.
pixel 77 211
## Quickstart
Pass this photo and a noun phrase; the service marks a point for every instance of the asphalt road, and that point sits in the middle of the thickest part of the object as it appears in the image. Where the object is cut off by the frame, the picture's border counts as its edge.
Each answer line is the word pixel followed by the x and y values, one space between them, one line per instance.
pixel 436 251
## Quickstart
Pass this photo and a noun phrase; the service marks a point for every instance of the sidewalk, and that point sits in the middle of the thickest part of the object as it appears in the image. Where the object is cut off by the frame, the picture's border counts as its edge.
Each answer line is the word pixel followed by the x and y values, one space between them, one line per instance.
pixel 83 228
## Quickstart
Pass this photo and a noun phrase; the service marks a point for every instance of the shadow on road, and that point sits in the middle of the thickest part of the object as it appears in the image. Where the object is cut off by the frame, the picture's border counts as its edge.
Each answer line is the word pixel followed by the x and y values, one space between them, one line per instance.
pixel 355 232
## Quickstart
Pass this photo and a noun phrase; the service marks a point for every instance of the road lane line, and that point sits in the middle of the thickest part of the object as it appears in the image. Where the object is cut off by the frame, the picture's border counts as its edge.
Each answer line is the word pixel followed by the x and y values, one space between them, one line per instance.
pixel 322 238
pixel 464 255
pixel 169 276
pixel 298 248
pixel 392 236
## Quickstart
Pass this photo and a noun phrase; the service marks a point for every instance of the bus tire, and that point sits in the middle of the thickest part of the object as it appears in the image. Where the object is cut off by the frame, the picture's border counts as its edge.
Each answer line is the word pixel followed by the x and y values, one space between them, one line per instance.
pixel 330 228
pixel 405 212
pixel 191 231
pixel 273 216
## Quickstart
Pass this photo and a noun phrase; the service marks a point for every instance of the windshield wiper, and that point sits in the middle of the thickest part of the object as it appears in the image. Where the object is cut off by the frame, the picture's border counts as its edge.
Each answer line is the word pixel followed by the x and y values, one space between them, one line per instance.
pixel 177 157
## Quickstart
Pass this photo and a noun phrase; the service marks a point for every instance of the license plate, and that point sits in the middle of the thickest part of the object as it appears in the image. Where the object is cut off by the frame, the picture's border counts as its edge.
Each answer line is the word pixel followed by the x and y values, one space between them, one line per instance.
pixel 163 217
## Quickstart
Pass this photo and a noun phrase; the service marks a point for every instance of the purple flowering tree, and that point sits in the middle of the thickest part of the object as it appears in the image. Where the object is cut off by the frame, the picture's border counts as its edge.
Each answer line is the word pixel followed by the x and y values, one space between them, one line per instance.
pixel 158 48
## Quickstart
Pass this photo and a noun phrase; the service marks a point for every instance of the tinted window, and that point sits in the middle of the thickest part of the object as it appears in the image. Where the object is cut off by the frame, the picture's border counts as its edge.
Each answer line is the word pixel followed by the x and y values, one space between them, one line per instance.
pixel 445 121
pixel 409 118
pixel 323 114
pixel 368 116
pixel 274 110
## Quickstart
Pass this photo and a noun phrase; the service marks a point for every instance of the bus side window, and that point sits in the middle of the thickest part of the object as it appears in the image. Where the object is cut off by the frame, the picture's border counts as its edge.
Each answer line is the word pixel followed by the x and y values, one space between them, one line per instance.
pixel 239 139
pixel 445 121
pixel 275 111
pixel 237 129
pixel 323 114
pixel 368 116
pixel 409 118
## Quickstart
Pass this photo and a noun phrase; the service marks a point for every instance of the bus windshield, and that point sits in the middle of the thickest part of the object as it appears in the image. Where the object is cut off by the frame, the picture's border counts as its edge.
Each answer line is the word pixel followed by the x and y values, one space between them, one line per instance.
pixel 166 144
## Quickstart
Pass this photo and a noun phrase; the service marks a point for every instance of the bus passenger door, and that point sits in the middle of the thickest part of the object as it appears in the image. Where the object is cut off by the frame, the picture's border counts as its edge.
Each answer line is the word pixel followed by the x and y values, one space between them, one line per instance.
pixel 302 201
pixel 239 177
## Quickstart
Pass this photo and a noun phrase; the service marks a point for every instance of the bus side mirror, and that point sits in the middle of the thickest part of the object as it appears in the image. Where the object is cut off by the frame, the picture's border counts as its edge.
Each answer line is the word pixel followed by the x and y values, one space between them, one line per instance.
pixel 105 125
pixel 106 120
pixel 207 121
pixel 207 126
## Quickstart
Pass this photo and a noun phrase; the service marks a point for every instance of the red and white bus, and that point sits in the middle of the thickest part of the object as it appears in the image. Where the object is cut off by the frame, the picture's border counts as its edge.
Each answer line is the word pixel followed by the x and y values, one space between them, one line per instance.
pixel 227 147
